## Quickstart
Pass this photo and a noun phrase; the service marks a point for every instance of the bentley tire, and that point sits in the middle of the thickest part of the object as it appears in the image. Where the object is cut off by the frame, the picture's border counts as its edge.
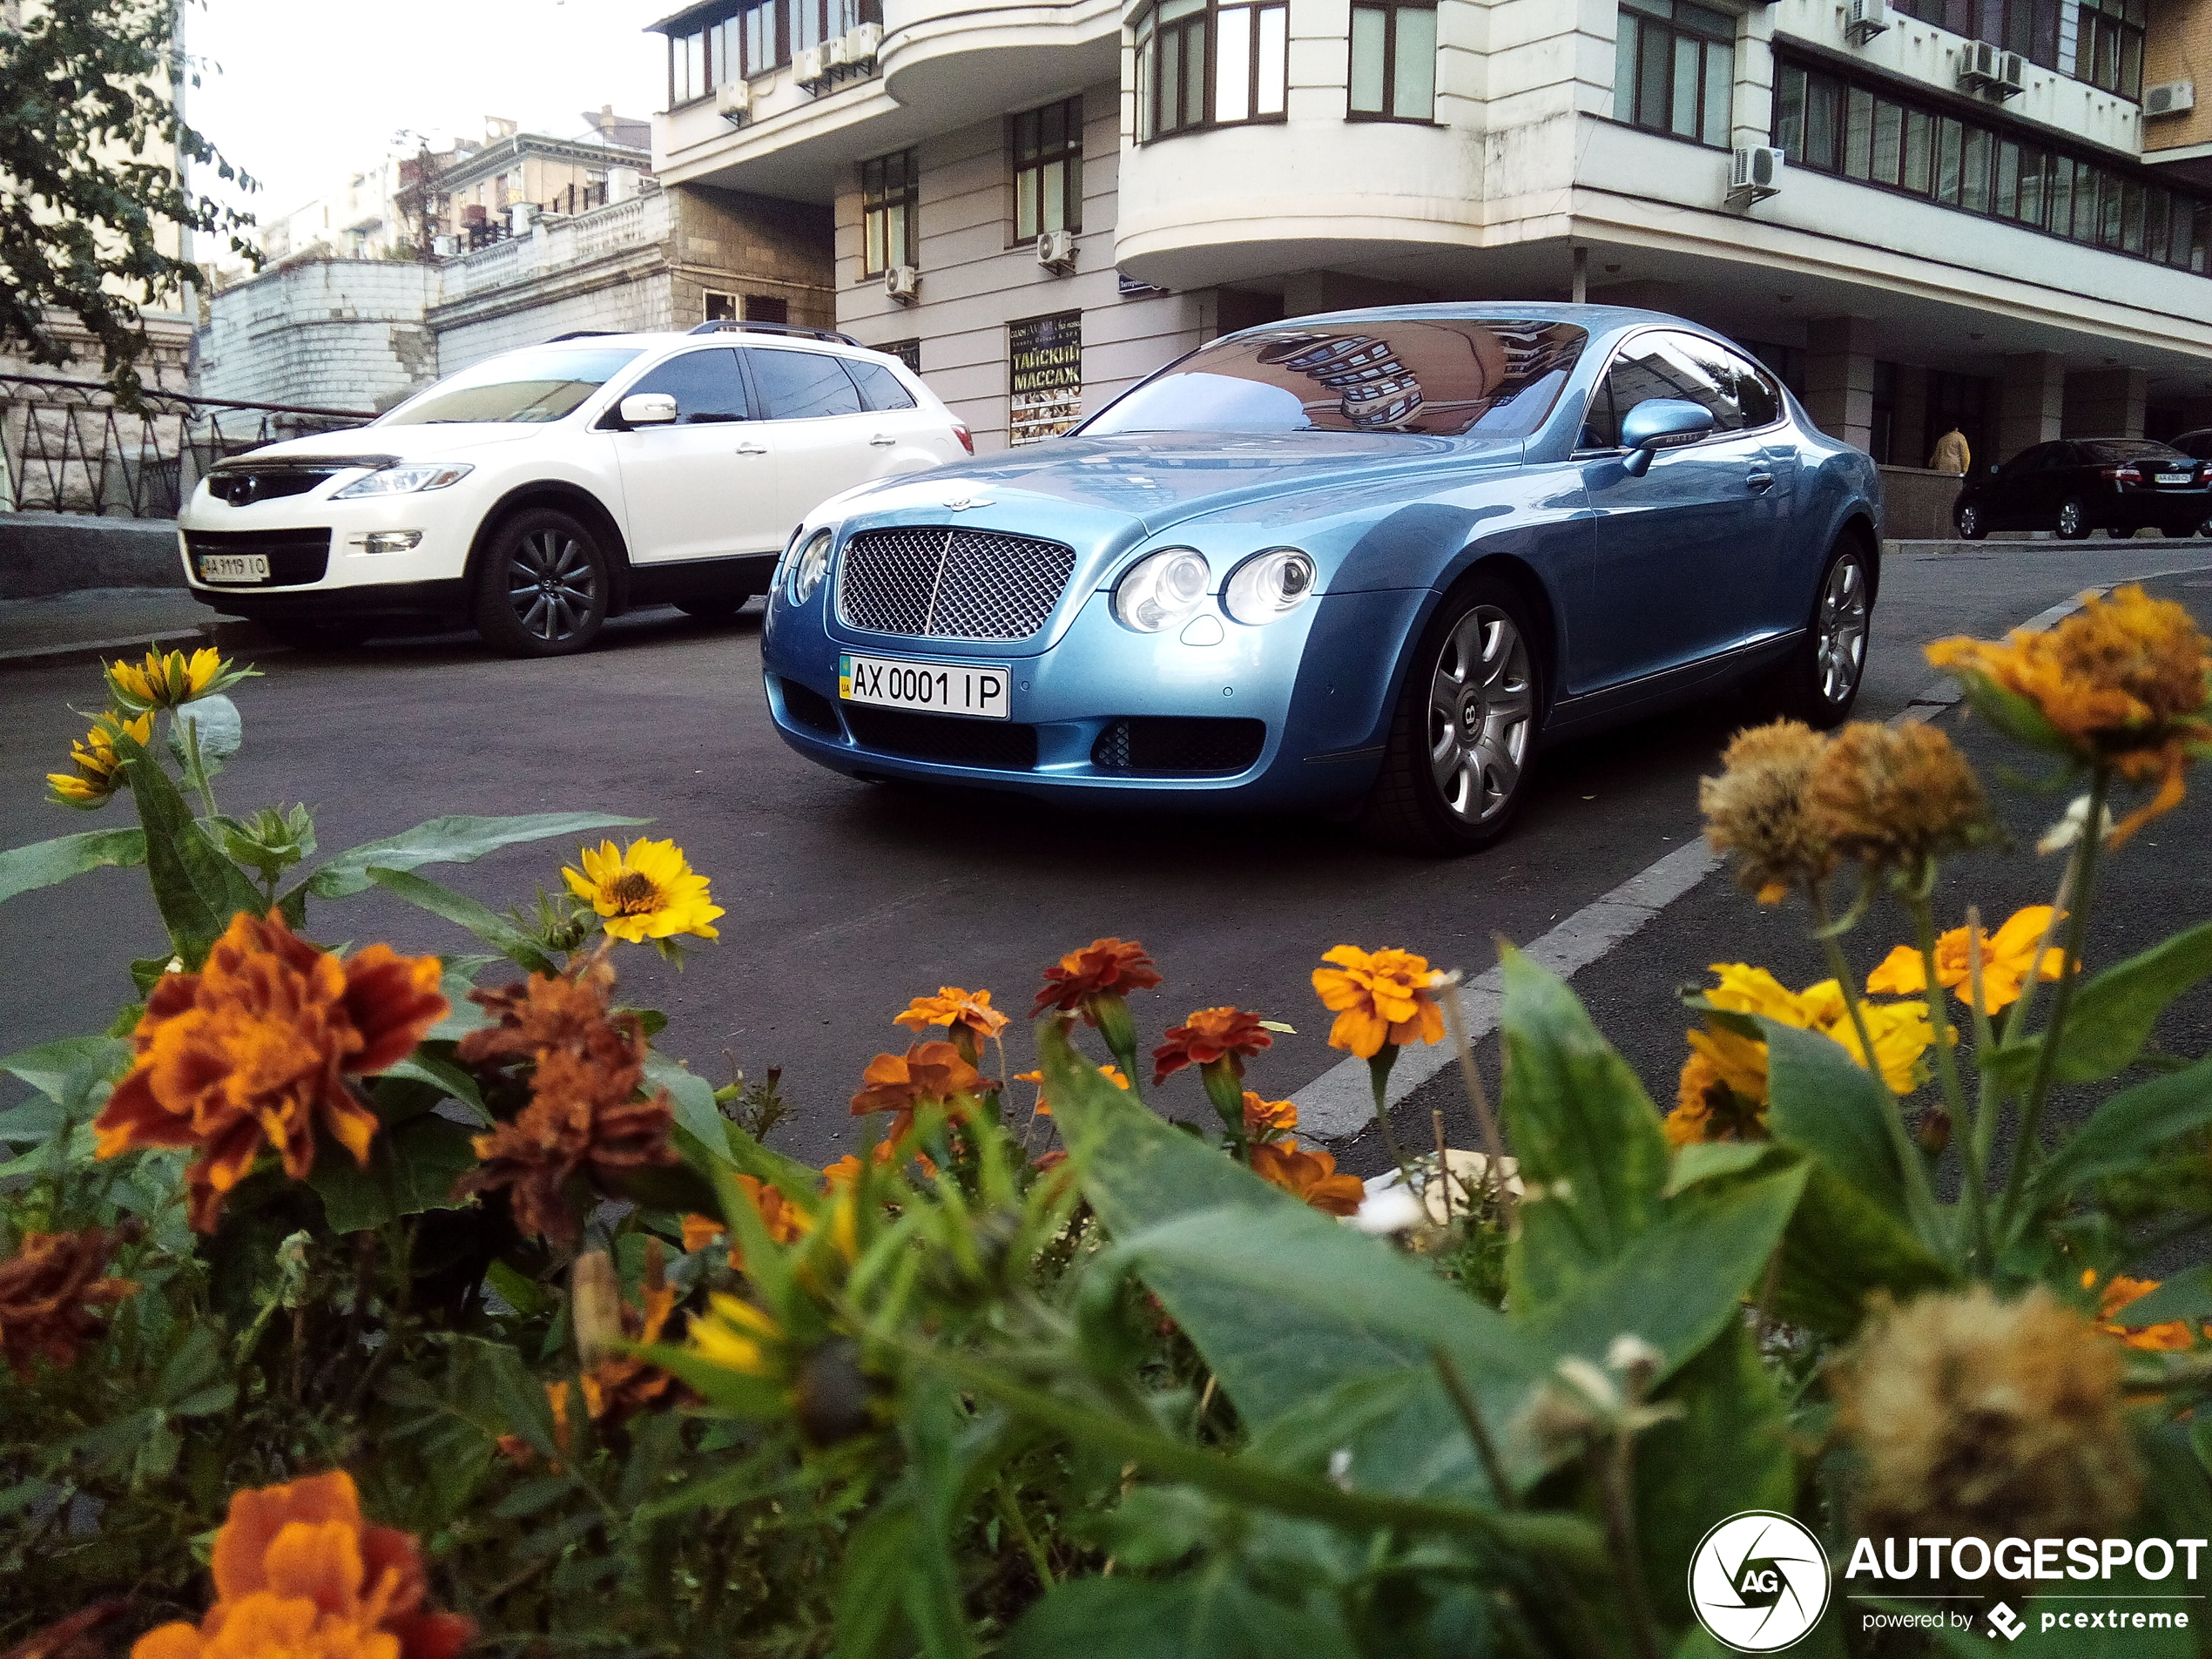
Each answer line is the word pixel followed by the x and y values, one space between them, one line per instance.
pixel 1818 682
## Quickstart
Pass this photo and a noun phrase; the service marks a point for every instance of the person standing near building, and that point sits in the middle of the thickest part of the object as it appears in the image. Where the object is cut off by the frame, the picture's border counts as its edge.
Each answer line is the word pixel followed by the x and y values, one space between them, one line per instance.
pixel 1953 453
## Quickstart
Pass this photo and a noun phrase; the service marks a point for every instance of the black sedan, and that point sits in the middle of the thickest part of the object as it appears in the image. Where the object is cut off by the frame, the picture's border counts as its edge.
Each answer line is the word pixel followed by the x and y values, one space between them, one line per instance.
pixel 2078 485
pixel 2197 444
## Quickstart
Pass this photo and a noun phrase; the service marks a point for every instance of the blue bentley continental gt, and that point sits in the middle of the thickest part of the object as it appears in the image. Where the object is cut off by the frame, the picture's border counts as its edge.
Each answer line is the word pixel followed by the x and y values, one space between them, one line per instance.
pixel 1368 561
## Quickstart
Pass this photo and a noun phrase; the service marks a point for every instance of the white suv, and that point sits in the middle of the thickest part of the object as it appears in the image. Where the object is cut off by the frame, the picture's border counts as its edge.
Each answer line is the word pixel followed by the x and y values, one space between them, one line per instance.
pixel 540 492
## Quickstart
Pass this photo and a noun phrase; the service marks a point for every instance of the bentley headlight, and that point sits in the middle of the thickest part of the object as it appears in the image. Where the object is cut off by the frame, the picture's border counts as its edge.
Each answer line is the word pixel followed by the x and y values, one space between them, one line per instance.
pixel 406 480
pixel 1268 586
pixel 1161 589
pixel 810 567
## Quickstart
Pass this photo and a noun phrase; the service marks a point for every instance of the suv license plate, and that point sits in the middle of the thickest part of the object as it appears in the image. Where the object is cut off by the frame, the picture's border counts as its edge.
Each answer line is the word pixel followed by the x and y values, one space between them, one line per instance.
pixel 977 689
pixel 233 566
pixel 2174 478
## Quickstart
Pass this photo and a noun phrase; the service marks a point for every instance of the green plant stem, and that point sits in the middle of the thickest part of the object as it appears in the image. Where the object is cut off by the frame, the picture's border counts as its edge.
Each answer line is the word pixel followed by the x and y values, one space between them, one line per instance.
pixel 1981 1135
pixel 1977 1204
pixel 1009 1509
pixel 1919 1196
pixel 1379 1065
pixel 1616 1468
pixel 2077 887
pixel 1493 1177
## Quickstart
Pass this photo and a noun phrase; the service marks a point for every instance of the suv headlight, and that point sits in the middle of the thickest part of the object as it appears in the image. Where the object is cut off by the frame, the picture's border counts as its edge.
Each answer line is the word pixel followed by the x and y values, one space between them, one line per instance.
pixel 1161 589
pixel 1268 586
pixel 808 569
pixel 406 480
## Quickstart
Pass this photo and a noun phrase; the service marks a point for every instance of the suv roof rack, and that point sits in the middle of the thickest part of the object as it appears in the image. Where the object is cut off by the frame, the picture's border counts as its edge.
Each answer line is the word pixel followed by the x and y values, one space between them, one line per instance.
pixel 733 324
pixel 582 333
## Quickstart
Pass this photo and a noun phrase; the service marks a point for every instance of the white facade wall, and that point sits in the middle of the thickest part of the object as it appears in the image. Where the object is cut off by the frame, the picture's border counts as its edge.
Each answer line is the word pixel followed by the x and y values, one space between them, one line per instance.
pixel 338 334
pixel 974 284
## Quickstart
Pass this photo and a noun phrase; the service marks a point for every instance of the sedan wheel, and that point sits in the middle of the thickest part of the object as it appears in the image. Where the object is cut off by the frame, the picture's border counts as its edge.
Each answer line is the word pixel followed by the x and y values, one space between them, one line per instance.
pixel 1819 681
pixel 2074 519
pixel 543 590
pixel 1456 770
pixel 1971 528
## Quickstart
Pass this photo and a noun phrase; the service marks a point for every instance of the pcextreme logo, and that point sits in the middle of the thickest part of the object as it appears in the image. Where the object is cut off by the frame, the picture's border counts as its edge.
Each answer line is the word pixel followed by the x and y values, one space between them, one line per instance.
pixel 1758 1581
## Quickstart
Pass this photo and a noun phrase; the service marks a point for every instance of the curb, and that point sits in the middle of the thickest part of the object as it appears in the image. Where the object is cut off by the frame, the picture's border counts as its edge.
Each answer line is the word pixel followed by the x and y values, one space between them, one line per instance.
pixel 85 651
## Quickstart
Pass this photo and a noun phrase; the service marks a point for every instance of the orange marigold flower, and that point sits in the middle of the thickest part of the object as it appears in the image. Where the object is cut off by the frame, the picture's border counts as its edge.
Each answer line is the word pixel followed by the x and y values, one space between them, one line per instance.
pixel 48 1289
pixel 953 1007
pixel 2121 683
pixel 2007 961
pixel 298 1572
pixel 1378 998
pixel 928 1073
pixel 1706 1109
pixel 1104 966
pixel 2169 1336
pixel 1310 1177
pixel 1208 1035
pixel 1268 1120
pixel 255 1048
pixel 1044 1108
pixel 583 1120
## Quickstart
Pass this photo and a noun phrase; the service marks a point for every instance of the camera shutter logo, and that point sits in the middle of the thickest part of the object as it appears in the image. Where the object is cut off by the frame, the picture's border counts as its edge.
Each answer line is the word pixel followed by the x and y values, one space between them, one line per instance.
pixel 1758 1581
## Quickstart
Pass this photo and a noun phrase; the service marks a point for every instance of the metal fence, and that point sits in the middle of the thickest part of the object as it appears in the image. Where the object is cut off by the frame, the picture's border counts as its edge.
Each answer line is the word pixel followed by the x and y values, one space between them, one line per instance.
pixel 69 447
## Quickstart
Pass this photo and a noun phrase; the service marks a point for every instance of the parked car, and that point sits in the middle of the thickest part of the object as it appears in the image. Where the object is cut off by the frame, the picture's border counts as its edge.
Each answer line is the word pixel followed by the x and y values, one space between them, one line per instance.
pixel 2197 445
pixel 1364 560
pixel 2077 485
pixel 540 492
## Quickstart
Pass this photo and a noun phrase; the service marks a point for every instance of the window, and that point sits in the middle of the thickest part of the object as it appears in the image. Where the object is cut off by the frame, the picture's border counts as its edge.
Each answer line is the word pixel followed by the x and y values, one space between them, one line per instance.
pixel 705 385
pixel 1999 172
pixel 802 385
pixel 890 193
pixel 881 390
pixel 1394 62
pixel 766 308
pixel 1496 378
pixel 2108 51
pixel 721 307
pixel 2029 27
pixel 1245 42
pixel 525 386
pixel 1675 68
pixel 906 351
pixel 1666 364
pixel 687 77
pixel 1048 147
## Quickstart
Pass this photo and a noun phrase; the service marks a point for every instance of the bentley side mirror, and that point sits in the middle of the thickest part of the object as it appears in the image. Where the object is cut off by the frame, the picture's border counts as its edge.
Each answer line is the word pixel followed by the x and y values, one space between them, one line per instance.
pixel 648 408
pixel 1662 424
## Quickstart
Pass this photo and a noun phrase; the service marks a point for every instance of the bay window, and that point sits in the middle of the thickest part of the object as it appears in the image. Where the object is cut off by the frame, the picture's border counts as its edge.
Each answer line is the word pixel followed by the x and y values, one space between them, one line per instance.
pixel 1202 65
pixel 1675 68
pixel 1393 61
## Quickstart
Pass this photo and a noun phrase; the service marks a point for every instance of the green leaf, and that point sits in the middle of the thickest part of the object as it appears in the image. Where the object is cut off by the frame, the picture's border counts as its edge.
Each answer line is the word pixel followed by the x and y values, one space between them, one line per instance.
pixel 197 888
pixel 1207 1614
pixel 1593 1153
pixel 67 1068
pixel 450 840
pixel 2010 712
pixel 2188 1295
pixel 2126 1130
pixel 2114 1011
pixel 496 930
pixel 43 864
pixel 217 726
pixel 1826 1104
pixel 693 1099
pixel 1840 1248
pixel 444 1075
pixel 411 1169
pixel 1714 1160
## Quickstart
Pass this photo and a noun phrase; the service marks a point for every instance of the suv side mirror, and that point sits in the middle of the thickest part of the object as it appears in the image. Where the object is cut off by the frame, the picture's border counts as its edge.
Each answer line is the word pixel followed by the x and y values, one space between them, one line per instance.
pixel 648 408
pixel 1662 424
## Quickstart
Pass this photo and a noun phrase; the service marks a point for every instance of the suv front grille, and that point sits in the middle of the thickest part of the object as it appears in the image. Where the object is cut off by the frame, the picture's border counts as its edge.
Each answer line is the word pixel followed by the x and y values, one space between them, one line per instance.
pixel 240 485
pixel 932 583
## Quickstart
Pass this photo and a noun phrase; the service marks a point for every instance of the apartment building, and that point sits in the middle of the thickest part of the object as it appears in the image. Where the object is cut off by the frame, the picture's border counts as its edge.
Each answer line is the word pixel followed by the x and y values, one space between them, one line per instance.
pixel 1920 213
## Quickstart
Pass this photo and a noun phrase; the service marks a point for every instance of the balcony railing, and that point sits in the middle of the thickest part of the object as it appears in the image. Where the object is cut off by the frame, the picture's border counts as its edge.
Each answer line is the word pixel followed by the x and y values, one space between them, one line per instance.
pixel 69 447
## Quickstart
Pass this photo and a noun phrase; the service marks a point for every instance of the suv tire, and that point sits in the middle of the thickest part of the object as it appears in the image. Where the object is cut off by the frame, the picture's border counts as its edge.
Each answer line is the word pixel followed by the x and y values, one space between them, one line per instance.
pixel 719 607
pixel 1455 772
pixel 542 590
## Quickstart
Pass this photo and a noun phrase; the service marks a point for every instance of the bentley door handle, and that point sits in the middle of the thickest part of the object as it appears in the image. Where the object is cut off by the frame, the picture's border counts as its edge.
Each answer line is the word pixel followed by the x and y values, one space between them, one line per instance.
pixel 882 441
pixel 752 448
pixel 1758 480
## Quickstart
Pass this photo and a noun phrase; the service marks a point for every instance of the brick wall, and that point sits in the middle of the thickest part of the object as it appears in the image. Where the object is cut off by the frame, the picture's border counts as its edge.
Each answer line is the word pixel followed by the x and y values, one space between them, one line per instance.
pixel 335 334
pixel 2179 48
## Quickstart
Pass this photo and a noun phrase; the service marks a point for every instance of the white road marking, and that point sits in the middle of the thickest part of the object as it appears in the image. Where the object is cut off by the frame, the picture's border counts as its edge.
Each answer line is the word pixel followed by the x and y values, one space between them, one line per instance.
pixel 1339 1103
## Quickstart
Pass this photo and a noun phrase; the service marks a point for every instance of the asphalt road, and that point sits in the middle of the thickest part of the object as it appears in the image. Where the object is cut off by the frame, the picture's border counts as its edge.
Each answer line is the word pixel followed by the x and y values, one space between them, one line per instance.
pixel 846 899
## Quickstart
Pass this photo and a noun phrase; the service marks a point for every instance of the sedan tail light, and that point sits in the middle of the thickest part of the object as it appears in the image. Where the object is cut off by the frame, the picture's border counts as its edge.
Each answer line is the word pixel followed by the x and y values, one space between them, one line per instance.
pixel 966 438
pixel 2129 474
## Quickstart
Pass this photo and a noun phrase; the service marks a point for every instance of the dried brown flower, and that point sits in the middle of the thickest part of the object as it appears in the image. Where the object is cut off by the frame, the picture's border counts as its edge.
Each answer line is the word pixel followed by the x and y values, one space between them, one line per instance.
pixel 1981 1418
pixel 1894 797
pixel 584 1119
pixel 48 1289
pixel 1756 809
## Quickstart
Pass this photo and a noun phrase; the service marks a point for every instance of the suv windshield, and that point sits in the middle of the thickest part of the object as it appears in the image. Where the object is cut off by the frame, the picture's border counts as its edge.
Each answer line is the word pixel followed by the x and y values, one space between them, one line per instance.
pixel 529 387
pixel 1440 377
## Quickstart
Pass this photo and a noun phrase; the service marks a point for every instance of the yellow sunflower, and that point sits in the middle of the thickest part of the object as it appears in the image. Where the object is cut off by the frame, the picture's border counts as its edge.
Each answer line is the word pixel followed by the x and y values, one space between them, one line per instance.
pixel 167 679
pixel 645 892
pixel 94 781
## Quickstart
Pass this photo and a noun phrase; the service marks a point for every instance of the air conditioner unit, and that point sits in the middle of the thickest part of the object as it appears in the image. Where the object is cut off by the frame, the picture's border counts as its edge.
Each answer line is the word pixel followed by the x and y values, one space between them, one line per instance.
pixel 863 41
pixel 834 54
pixel 902 282
pixel 1864 19
pixel 733 102
pixel 1057 250
pixel 807 69
pixel 2169 97
pixel 1991 69
pixel 1755 172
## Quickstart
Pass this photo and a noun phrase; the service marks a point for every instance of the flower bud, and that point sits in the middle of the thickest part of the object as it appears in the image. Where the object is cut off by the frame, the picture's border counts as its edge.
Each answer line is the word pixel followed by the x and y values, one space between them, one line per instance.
pixel 830 1395
pixel 595 1307
pixel 1933 1130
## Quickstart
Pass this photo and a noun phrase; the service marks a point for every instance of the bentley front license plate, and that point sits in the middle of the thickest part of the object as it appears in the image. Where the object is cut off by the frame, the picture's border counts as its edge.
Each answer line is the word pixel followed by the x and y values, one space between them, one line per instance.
pixel 233 566
pixel 974 689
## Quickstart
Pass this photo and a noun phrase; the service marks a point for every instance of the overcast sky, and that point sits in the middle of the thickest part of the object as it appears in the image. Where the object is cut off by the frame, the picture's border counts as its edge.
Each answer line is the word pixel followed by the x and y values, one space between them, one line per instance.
pixel 301 93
